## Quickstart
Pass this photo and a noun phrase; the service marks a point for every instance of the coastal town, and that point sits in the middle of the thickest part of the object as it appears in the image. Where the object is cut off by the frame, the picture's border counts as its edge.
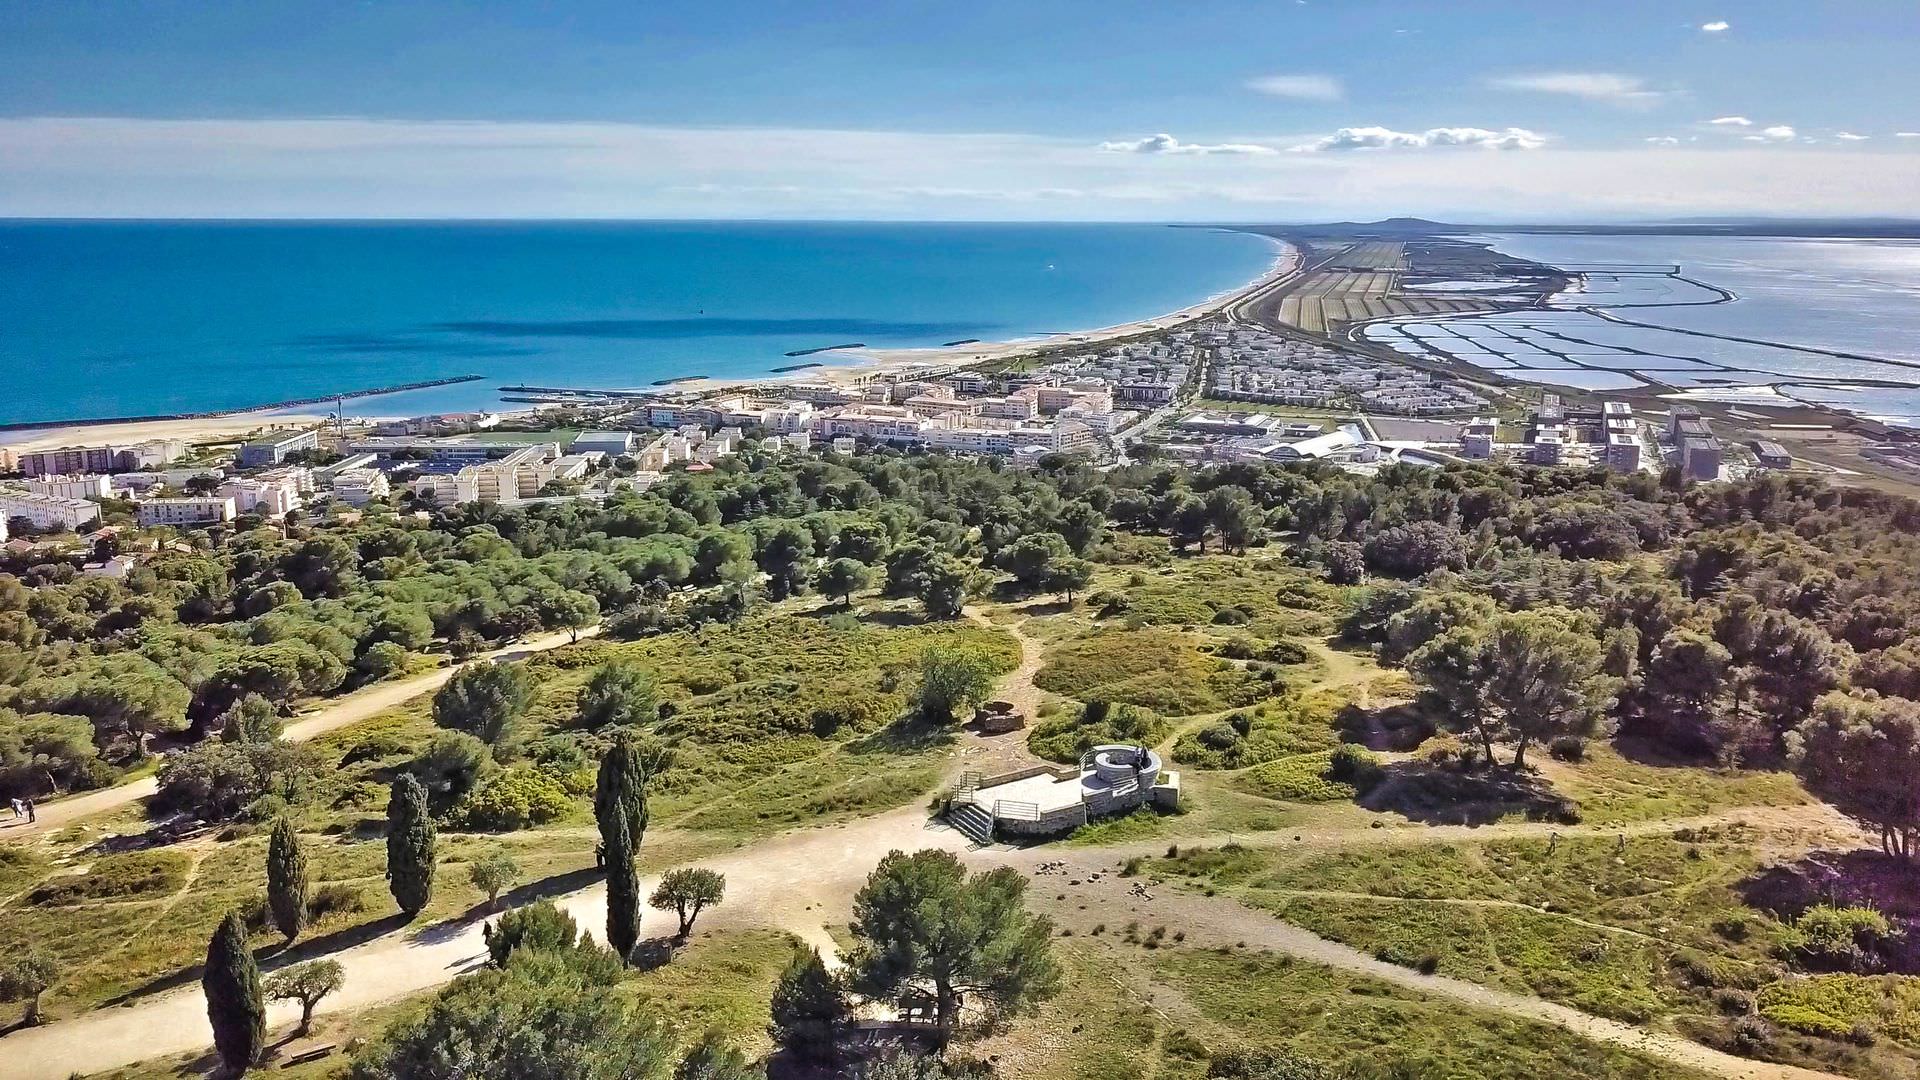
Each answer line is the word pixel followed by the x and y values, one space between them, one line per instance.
pixel 1213 391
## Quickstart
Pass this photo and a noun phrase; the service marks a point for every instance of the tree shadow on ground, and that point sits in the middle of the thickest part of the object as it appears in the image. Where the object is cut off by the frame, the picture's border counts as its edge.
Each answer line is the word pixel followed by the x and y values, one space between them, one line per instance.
pixel 544 889
pixel 1398 727
pixel 893 618
pixel 905 736
pixel 1861 877
pixel 1446 794
pixel 273 956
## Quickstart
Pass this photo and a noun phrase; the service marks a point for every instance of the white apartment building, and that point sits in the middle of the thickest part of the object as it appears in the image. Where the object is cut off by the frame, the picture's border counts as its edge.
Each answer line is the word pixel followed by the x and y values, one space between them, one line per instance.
pixel 192 510
pixel 271 494
pixel 47 511
pixel 92 486
pixel 358 487
pixel 892 423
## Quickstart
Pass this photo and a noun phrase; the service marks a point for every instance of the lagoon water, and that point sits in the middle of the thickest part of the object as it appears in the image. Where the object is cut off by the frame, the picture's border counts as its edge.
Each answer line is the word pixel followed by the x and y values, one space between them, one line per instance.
pixel 1858 296
pixel 135 318
pixel 1854 296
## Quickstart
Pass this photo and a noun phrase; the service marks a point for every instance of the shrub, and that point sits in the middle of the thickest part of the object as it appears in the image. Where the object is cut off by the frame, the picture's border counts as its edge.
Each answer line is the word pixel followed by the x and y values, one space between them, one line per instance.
pixel 1065 738
pixel 1568 748
pixel 453 762
pixel 540 925
pixel 1733 1002
pixel 1751 1033
pixel 114 877
pixel 335 898
pixel 513 799
pixel 1287 652
pixel 1354 765
pixel 1827 938
pixel 1321 777
pixel 1834 1005
pixel 1808 1021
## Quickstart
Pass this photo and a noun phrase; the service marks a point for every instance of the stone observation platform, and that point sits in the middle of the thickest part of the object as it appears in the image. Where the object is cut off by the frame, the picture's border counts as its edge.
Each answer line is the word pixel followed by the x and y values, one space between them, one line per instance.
pixel 1044 800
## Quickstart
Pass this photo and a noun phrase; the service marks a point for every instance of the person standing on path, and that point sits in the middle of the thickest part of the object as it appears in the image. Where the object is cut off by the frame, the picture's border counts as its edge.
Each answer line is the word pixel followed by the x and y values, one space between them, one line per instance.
pixel 30 815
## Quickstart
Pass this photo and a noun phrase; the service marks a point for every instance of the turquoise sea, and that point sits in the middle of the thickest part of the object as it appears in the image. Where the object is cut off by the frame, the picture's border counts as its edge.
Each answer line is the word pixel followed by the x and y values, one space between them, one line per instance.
pixel 135 318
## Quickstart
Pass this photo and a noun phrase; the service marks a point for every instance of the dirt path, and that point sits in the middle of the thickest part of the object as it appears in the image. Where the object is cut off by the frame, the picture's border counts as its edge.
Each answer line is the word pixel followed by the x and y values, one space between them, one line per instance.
pixel 803 882
pixel 800 882
pixel 329 716
pixel 991 754
pixel 1211 922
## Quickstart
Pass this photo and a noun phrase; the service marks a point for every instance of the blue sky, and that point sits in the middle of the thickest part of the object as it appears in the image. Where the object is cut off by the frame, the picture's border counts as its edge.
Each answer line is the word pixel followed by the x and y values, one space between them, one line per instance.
pixel 1277 110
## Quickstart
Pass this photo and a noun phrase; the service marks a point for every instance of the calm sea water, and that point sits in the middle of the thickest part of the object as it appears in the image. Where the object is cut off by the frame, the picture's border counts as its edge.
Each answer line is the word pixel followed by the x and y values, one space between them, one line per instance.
pixel 112 319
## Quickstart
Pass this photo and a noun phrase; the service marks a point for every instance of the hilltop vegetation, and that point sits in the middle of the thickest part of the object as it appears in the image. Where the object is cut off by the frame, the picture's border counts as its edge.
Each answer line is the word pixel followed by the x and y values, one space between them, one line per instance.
pixel 1472 645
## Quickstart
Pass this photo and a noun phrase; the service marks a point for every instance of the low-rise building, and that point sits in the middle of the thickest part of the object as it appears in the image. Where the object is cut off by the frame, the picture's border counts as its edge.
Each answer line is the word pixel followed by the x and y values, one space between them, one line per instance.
pixel 173 478
pixel 96 486
pixel 188 510
pixel 1771 455
pixel 1549 446
pixel 47 511
pixel 358 487
pixel 610 443
pixel 272 494
pixel 272 449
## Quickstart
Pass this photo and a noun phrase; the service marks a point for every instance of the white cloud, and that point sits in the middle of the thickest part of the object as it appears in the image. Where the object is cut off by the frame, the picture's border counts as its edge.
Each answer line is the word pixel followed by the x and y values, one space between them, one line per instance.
pixel 1731 121
pixel 1379 138
pixel 1778 131
pixel 1167 144
pixel 1906 134
pixel 1299 87
pixel 1848 136
pixel 1718 26
pixel 1625 90
pixel 365 168
pixel 1663 140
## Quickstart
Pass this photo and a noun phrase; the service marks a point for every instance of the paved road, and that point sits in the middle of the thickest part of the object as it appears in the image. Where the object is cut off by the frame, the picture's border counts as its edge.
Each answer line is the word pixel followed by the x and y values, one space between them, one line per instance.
pixel 331 716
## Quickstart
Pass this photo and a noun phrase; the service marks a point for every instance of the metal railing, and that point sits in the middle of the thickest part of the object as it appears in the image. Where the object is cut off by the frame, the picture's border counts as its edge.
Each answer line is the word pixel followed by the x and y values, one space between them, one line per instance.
pixel 1016 810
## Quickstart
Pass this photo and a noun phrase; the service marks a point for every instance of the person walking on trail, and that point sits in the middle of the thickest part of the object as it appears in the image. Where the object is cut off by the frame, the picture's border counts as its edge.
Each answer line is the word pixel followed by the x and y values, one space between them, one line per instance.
pixel 14 805
pixel 30 815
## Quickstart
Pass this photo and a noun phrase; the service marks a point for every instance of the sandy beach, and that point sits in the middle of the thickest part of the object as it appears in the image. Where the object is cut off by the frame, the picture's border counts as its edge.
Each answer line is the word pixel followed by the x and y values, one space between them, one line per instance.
pixel 230 426
pixel 854 365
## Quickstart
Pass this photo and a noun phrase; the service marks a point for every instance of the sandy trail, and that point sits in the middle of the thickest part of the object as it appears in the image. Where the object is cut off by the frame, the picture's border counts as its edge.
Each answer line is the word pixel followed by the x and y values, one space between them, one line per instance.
pixel 330 716
pixel 1211 922
pixel 799 882
pixel 803 882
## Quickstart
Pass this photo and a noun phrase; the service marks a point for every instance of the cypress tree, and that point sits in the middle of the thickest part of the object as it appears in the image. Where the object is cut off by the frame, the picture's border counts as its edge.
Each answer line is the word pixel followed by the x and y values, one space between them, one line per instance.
pixel 621 790
pixel 409 845
pixel 620 806
pixel 623 891
pixel 287 880
pixel 235 1005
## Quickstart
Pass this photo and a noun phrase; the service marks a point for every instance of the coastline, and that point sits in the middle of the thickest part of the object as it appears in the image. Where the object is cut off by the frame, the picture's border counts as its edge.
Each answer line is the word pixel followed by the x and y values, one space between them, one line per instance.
pixel 838 366
pixel 200 429
pixel 858 365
